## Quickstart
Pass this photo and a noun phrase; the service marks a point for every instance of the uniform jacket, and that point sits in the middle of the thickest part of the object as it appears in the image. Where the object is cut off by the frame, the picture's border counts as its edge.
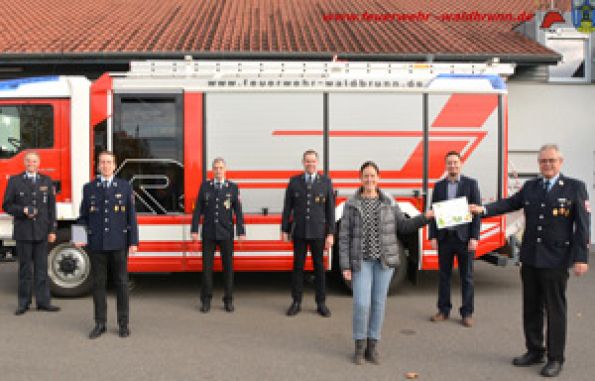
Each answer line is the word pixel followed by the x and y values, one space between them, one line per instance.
pixel 392 221
pixel 21 193
pixel 556 223
pixel 109 215
pixel 309 212
pixel 218 208
pixel 467 188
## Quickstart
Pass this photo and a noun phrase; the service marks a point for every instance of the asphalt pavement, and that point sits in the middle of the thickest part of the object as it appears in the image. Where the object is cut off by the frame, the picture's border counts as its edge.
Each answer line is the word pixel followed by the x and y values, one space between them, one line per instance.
pixel 172 340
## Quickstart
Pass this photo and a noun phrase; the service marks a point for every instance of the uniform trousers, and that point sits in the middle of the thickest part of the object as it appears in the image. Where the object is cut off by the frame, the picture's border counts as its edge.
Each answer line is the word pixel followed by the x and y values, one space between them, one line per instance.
pixel 33 270
pixel 118 259
pixel 208 256
pixel 300 250
pixel 544 290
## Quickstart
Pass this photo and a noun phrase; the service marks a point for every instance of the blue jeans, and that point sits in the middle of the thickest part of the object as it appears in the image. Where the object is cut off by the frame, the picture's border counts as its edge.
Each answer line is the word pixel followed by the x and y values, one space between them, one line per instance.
pixel 370 287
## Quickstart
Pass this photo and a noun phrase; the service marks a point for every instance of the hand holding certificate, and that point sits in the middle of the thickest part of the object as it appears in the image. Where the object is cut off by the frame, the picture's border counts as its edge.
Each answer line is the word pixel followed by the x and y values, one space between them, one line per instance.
pixel 451 212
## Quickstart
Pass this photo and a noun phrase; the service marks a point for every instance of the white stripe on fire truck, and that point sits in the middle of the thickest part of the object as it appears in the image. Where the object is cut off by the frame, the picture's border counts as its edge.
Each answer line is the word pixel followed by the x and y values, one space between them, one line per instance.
pixel 195 254
pixel 178 233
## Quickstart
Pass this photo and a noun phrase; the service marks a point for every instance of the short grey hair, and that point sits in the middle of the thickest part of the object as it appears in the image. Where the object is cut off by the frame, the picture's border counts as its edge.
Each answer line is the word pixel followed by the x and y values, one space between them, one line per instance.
pixel 551 146
pixel 219 159
pixel 31 153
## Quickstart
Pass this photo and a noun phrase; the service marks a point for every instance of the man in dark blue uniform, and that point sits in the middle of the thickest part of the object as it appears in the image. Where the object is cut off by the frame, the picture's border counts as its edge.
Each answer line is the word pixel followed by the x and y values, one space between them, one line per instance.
pixel 218 201
pixel 30 199
pixel 309 219
pixel 107 211
pixel 557 218
pixel 460 241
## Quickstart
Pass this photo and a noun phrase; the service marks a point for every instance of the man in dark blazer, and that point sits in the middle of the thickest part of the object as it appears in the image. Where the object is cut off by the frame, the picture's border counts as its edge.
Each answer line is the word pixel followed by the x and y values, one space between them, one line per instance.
pixel 31 200
pixel 309 219
pixel 556 237
pixel 460 241
pixel 218 201
pixel 107 211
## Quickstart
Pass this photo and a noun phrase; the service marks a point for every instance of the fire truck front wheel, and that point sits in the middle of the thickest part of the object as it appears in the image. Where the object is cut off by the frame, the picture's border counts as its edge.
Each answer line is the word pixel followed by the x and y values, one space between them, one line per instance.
pixel 69 270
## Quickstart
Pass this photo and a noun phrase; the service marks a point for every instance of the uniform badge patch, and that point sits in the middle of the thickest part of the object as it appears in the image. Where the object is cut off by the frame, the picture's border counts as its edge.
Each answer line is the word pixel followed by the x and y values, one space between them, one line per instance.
pixel 43 188
pixel 227 203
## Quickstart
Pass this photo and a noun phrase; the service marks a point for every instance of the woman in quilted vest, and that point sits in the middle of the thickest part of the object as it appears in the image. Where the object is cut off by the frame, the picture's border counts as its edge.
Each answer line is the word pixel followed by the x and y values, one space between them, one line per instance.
pixel 369 254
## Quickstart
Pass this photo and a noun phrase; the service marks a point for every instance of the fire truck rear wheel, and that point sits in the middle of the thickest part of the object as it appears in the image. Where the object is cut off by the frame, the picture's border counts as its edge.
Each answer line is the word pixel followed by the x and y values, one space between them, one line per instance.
pixel 400 274
pixel 69 268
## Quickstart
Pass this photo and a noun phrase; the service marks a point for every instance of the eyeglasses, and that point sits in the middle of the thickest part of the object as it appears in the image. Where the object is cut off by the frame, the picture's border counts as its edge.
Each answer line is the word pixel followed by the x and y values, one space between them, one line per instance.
pixel 548 161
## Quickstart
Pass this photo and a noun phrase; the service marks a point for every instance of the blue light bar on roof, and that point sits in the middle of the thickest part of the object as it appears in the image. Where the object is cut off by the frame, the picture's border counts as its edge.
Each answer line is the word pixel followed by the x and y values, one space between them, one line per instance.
pixel 14 84
pixel 496 81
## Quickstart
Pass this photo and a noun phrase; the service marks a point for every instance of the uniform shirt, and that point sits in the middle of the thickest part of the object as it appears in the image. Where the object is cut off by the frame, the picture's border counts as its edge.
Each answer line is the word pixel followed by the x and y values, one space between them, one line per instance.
pixel 104 179
pixel 218 207
pixel 552 181
pixel 309 209
pixel 556 223
pixel 109 215
pixel 37 196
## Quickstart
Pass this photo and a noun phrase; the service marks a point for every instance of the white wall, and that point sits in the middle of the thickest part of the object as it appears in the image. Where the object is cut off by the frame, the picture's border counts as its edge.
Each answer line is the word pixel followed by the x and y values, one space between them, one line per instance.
pixel 542 113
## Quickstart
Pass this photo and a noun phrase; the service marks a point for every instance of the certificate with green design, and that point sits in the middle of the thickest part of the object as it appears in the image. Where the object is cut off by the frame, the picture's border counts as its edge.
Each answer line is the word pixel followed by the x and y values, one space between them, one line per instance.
pixel 451 212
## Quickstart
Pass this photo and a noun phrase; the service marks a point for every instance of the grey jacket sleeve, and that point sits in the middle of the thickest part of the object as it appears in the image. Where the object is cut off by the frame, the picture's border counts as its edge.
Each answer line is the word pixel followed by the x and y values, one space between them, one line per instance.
pixel 408 225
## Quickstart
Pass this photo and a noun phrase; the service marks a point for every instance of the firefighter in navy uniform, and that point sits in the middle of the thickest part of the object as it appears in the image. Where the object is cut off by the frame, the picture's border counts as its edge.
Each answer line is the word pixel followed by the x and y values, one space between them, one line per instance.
pixel 30 199
pixel 309 219
pixel 107 211
pixel 556 237
pixel 218 201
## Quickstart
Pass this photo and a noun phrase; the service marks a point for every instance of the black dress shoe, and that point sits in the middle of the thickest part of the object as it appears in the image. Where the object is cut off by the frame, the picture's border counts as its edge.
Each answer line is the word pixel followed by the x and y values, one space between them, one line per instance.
pixel 528 358
pixel 551 369
pixel 323 310
pixel 97 331
pixel 124 331
pixel 228 306
pixel 205 307
pixel 294 309
pixel 21 310
pixel 48 308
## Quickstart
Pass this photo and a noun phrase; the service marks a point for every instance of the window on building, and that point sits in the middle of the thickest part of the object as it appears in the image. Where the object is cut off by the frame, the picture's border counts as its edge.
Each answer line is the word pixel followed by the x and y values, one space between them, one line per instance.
pixel 575 65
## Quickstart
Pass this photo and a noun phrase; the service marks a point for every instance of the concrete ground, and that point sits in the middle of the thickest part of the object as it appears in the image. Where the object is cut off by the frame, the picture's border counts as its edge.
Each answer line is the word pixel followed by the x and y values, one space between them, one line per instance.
pixel 172 340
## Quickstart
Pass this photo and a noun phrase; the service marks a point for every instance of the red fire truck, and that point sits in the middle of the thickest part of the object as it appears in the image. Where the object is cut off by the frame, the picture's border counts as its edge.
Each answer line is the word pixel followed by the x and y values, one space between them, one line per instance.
pixel 167 120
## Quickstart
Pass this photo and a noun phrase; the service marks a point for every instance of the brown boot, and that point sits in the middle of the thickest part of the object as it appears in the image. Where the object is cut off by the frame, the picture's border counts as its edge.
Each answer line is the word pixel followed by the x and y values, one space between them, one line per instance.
pixel 371 353
pixel 358 357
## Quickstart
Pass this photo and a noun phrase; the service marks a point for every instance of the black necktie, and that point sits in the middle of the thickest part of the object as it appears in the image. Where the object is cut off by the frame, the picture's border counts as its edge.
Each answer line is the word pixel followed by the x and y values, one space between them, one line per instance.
pixel 309 179
pixel 32 179
pixel 105 184
pixel 546 186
